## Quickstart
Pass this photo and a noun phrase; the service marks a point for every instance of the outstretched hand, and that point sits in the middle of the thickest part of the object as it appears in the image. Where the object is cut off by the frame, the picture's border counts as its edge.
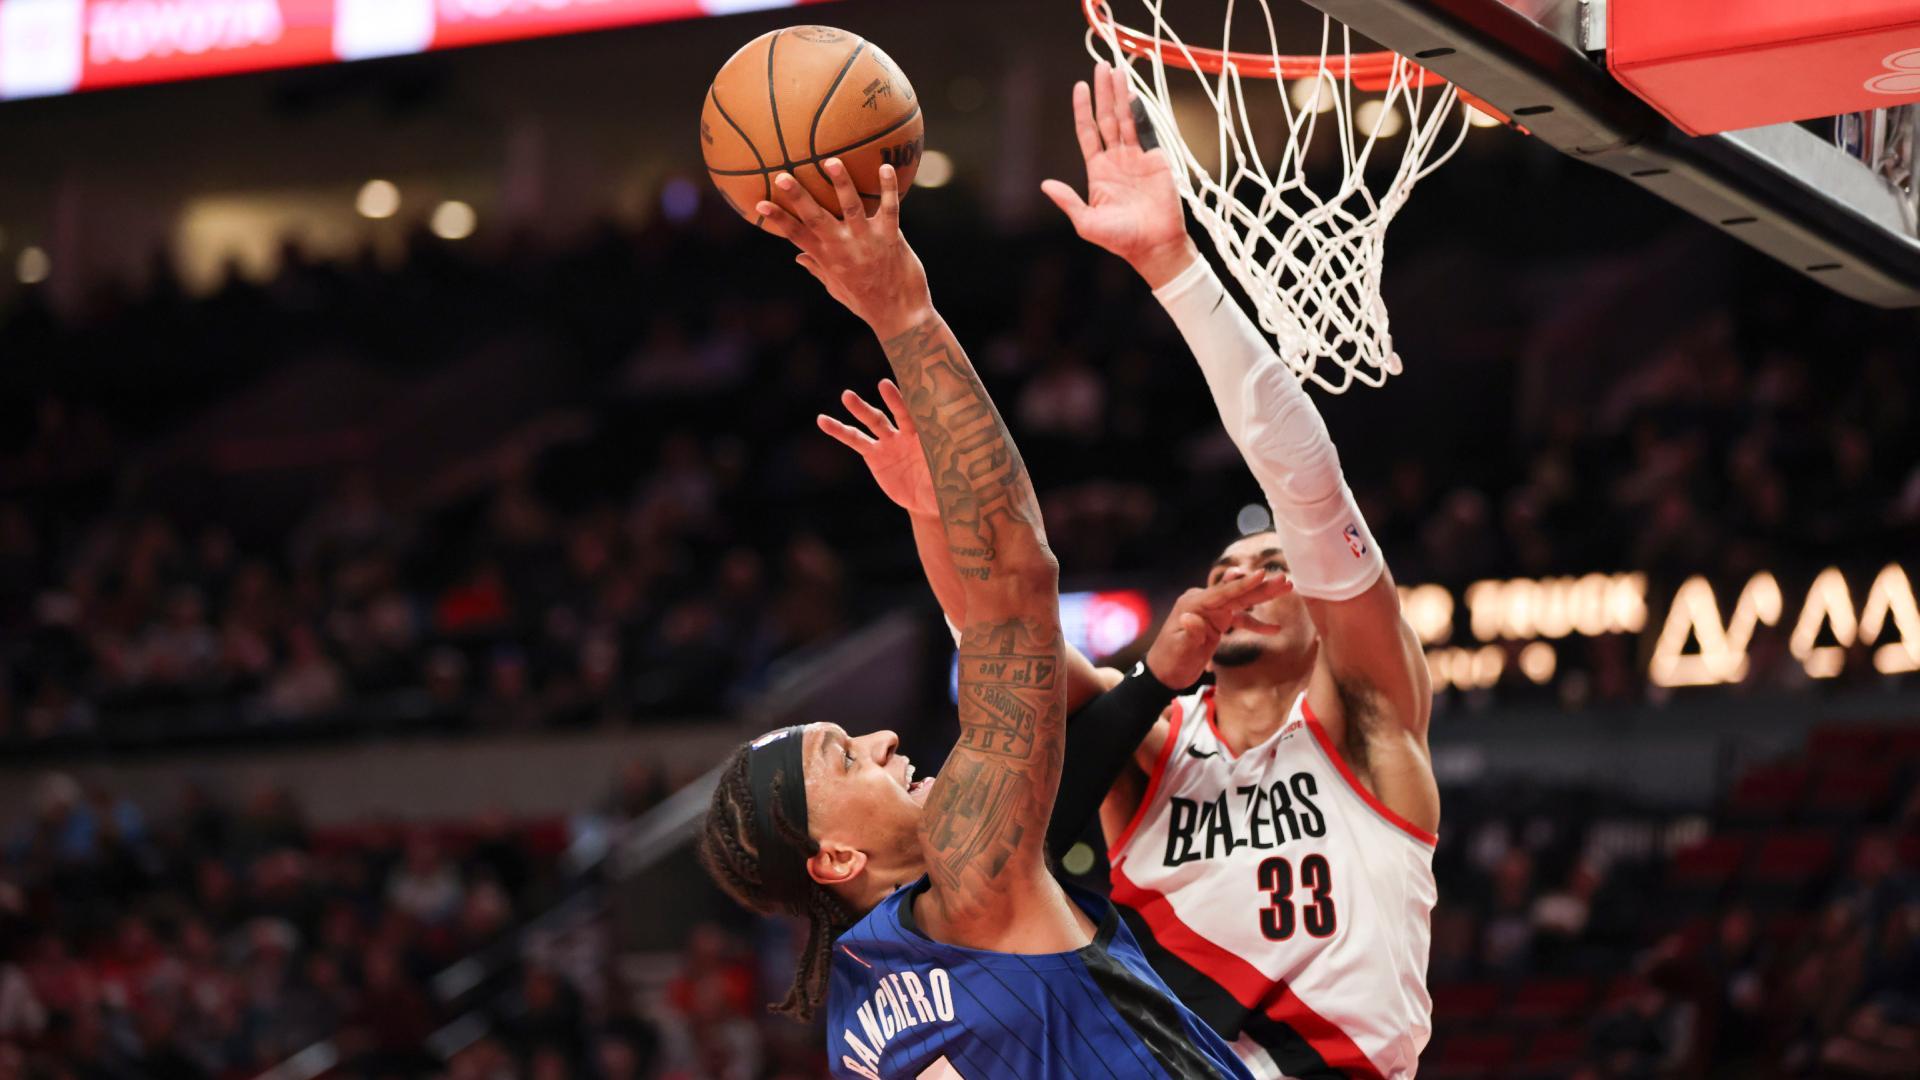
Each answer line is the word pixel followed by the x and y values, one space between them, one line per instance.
pixel 1201 617
pixel 862 260
pixel 890 446
pixel 1131 208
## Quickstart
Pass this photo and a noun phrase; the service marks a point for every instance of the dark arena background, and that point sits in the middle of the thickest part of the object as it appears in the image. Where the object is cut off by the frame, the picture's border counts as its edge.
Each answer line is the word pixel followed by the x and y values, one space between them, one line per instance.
pixel 409 491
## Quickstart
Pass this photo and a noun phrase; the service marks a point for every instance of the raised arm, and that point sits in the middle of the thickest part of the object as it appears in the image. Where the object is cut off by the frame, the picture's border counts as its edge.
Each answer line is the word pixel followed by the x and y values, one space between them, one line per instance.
pixel 889 443
pixel 1373 691
pixel 985 821
pixel 1111 718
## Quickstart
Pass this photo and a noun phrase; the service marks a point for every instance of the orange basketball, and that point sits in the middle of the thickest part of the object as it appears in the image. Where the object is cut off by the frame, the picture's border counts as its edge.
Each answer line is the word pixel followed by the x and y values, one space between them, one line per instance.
pixel 793 98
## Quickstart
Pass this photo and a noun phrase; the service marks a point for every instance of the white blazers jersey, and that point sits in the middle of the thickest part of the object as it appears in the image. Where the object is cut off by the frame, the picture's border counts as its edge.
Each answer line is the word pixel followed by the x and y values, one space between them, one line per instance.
pixel 1281 901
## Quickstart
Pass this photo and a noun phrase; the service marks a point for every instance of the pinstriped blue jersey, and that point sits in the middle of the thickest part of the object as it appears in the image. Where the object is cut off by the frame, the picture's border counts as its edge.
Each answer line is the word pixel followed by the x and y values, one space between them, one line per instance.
pixel 903 1007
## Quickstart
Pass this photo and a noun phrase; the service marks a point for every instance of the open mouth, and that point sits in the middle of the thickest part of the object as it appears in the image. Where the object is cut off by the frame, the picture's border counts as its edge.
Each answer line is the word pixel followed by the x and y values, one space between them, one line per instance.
pixel 917 789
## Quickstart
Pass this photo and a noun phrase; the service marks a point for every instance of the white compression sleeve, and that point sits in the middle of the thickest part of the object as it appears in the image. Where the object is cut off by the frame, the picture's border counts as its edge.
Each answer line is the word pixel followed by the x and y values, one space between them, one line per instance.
pixel 1331 555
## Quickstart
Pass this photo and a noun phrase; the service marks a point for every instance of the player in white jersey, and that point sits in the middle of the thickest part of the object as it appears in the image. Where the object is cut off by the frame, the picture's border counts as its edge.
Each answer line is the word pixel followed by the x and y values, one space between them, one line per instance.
pixel 1274 850
pixel 1276 845
pixel 1275 894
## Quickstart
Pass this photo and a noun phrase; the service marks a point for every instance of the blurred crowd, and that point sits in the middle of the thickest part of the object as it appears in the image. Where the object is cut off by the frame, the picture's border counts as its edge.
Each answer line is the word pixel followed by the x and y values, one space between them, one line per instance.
pixel 208 940
pixel 212 941
pixel 552 622
pixel 1577 935
pixel 215 939
pixel 511 486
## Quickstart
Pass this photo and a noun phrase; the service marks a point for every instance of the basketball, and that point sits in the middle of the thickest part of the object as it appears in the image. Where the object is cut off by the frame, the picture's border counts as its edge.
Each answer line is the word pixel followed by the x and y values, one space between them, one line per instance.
pixel 793 98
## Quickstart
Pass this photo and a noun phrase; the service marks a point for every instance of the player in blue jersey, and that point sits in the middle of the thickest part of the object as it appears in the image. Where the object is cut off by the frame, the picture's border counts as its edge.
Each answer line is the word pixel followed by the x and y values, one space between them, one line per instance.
pixel 940 941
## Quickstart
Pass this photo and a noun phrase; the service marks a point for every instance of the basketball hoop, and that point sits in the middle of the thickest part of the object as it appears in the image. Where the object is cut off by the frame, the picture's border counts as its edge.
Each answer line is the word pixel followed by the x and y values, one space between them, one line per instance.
pixel 1309 261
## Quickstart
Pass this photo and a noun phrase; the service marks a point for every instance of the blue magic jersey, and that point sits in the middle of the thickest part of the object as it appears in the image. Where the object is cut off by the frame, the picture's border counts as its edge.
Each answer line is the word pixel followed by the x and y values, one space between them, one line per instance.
pixel 904 1007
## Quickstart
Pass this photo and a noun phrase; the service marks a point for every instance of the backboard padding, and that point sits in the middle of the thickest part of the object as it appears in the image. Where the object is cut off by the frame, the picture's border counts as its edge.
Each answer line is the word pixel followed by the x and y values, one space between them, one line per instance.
pixel 1781 189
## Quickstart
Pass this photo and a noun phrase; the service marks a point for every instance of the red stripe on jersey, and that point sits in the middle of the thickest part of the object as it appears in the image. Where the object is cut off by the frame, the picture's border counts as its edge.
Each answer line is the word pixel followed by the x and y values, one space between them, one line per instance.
pixel 1119 846
pixel 1326 744
pixel 856 958
pixel 1244 981
pixel 1213 722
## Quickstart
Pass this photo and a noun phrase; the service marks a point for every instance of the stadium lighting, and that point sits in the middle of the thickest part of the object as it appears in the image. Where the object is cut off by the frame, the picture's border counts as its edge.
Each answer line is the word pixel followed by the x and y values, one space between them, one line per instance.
pixel 34 266
pixel 936 169
pixel 1378 116
pixel 1537 662
pixel 1429 610
pixel 1828 602
pixel 1722 654
pixel 1253 518
pixel 1891 598
pixel 1078 859
pixel 453 220
pixel 680 199
pixel 1312 95
pixel 378 199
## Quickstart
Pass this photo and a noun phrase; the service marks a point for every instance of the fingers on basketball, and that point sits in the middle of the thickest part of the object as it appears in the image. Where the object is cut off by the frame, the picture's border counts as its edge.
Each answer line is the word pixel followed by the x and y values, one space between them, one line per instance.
pixel 851 211
pixel 889 212
pixel 794 98
pixel 776 220
pixel 793 197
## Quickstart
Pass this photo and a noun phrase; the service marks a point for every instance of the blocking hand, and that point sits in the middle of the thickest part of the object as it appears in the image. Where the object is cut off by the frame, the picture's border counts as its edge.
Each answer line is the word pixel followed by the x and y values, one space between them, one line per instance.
pixel 864 262
pixel 1201 617
pixel 1131 208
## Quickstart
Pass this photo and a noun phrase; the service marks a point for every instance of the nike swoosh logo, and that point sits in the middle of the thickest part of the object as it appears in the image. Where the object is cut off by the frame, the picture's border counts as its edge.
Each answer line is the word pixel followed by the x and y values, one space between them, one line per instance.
pixel 1195 751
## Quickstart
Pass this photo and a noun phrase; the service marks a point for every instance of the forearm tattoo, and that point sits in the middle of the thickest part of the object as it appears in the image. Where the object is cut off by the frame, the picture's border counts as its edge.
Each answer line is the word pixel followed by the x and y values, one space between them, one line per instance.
pixel 986 498
pixel 996 791
pixel 985 822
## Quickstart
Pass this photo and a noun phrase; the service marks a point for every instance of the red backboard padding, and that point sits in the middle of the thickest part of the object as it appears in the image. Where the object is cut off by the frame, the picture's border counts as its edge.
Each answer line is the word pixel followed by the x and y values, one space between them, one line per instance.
pixel 1729 64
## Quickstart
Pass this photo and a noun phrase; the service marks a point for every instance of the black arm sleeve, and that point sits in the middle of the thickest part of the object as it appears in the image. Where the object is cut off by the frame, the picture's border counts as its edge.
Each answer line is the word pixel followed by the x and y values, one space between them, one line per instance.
pixel 1101 738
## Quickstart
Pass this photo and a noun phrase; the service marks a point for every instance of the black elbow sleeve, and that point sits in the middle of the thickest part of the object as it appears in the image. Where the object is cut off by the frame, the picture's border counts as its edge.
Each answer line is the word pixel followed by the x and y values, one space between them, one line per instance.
pixel 1101 738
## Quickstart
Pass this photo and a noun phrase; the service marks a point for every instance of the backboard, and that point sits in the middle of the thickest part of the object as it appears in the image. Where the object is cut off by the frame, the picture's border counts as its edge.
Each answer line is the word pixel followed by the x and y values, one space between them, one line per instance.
pixel 1782 189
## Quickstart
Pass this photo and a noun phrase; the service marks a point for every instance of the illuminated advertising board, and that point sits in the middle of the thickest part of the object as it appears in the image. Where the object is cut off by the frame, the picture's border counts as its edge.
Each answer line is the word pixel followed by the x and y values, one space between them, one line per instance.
pixel 1513 628
pixel 62 46
pixel 1516 630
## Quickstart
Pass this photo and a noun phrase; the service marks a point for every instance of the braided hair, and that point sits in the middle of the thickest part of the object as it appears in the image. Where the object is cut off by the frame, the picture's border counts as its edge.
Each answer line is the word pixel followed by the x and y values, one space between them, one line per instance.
pixel 728 851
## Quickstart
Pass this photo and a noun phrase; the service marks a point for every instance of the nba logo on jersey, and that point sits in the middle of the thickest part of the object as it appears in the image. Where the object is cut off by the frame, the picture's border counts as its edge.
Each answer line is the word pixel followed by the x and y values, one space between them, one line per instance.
pixel 1354 543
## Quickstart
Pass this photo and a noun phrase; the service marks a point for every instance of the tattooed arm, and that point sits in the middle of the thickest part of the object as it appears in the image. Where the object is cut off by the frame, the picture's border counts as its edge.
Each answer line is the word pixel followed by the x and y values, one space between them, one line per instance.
pixel 889 443
pixel 984 827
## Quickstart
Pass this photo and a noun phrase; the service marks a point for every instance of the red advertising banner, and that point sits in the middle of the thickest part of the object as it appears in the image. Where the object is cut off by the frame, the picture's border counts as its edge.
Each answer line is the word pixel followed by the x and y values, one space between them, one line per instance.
pixel 144 41
pixel 60 46
pixel 473 22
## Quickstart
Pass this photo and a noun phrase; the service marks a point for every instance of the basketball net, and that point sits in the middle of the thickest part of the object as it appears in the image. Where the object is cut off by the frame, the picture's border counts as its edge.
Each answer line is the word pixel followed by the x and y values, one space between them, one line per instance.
pixel 1310 261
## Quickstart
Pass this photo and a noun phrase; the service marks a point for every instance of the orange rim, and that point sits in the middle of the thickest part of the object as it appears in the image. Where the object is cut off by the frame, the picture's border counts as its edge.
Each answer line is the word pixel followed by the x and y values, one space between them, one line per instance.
pixel 1367 71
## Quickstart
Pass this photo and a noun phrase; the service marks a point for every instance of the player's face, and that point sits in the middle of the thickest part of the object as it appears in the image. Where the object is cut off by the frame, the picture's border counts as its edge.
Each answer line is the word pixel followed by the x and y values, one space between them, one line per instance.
pixel 861 792
pixel 1261 551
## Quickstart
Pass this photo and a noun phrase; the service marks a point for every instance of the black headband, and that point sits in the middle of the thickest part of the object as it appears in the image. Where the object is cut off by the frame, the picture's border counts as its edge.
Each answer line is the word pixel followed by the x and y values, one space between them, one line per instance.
pixel 783 864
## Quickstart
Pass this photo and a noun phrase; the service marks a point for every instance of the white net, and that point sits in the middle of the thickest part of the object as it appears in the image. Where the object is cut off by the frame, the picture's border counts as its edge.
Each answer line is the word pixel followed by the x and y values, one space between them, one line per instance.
pixel 1309 260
